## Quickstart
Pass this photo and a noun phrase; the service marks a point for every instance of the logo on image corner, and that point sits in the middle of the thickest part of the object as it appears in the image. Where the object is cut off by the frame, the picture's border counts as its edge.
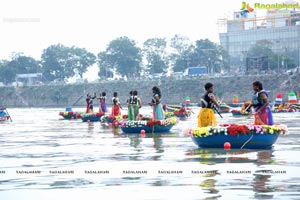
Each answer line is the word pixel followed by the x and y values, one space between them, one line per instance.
pixel 245 9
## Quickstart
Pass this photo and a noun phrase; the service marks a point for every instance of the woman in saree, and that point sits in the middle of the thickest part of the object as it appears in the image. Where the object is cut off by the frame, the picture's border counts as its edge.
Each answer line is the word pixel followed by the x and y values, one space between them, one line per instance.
pixel 260 102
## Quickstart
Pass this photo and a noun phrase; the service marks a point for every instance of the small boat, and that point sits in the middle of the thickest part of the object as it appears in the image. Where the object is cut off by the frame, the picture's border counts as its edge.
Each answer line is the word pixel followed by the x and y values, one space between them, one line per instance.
pixel 224 108
pixel 284 108
pixel 171 108
pixel 182 115
pixel 180 112
pixel 92 117
pixel 4 116
pixel 239 113
pixel 108 119
pixel 239 136
pixel 235 105
pixel 149 126
pixel 70 115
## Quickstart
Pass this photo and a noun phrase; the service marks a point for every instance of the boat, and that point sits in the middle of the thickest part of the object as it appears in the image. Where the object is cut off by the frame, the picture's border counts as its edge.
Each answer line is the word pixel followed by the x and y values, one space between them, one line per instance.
pixel 108 119
pixel 224 108
pixel 92 117
pixel 239 136
pixel 244 111
pixel 284 108
pixel 70 115
pixel 239 113
pixel 180 112
pixel 171 108
pixel 4 116
pixel 235 105
pixel 146 125
pixel 182 115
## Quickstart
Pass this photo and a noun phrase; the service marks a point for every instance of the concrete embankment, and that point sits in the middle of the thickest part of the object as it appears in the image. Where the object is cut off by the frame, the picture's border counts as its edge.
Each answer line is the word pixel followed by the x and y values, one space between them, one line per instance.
pixel 173 91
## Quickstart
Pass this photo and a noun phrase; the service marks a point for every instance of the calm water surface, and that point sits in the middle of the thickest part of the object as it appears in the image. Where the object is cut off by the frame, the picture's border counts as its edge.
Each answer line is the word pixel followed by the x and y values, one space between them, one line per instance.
pixel 38 140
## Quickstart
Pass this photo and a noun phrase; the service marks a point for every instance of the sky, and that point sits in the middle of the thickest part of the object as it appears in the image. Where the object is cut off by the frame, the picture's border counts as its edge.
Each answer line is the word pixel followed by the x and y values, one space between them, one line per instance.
pixel 29 26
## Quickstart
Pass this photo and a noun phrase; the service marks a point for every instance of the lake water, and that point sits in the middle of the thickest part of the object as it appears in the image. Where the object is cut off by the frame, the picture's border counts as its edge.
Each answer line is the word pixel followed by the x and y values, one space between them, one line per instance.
pixel 45 157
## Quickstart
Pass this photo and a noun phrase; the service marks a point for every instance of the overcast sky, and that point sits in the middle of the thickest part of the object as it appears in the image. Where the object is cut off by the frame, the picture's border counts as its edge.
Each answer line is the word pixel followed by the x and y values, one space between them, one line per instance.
pixel 30 26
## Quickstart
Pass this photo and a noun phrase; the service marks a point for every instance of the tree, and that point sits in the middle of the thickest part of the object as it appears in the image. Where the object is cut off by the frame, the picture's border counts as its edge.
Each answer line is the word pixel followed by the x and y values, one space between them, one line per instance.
pixel 155 52
pixel 180 58
pixel 261 49
pixel 183 61
pixel 122 56
pixel 24 64
pixel 105 67
pixel 180 44
pixel 82 59
pixel 7 74
pixel 60 62
pixel 19 64
pixel 209 54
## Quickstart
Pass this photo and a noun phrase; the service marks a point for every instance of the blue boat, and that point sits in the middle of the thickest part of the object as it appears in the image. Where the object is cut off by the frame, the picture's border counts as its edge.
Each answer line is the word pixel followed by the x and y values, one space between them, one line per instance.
pixel 149 125
pixel 154 129
pixel 91 117
pixel 181 116
pixel 247 136
pixel 70 115
pixel 235 105
pixel 238 113
pixel 257 141
pixel 4 116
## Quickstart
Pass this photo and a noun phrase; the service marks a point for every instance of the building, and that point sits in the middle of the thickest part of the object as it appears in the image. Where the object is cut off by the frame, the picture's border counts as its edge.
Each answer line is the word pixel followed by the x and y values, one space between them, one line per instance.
pixel 280 27
pixel 28 79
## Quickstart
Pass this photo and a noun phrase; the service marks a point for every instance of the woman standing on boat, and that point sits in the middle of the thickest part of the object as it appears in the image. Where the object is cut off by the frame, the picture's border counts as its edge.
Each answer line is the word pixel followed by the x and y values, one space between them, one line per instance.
pixel 130 107
pixel 115 111
pixel 102 107
pixel 91 106
pixel 206 115
pixel 88 98
pixel 260 102
pixel 158 113
pixel 137 104
pixel 89 103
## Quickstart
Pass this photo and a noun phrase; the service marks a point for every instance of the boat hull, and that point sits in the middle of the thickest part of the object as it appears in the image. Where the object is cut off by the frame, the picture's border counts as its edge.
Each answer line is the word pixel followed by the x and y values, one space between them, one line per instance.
pixel 255 141
pixel 5 118
pixel 70 115
pixel 94 117
pixel 147 129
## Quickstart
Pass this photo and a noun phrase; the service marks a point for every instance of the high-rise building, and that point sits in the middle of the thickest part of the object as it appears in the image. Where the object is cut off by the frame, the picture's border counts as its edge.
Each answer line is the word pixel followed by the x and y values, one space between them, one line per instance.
pixel 281 28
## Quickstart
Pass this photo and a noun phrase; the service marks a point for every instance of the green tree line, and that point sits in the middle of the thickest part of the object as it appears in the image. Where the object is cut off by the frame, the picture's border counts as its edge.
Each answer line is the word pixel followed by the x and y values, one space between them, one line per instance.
pixel 124 57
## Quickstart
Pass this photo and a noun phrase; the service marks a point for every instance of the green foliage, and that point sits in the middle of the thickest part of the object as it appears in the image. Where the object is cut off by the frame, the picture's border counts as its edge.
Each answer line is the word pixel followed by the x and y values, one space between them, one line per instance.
pixel 263 48
pixel 7 74
pixel 123 56
pixel 155 53
pixel 203 53
pixel 19 64
pixel 60 62
pixel 209 54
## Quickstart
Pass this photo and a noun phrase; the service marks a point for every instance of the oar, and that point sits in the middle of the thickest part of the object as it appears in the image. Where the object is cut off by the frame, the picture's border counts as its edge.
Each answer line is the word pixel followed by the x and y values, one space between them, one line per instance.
pixel 248 107
pixel 214 107
pixel 8 115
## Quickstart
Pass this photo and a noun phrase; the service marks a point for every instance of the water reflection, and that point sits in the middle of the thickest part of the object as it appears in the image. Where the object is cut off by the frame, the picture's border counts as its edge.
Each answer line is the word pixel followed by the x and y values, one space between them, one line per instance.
pixel 209 185
pixel 158 143
pixel 261 183
pixel 90 127
pixel 215 156
pixel 32 140
pixel 135 140
pixel 265 157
